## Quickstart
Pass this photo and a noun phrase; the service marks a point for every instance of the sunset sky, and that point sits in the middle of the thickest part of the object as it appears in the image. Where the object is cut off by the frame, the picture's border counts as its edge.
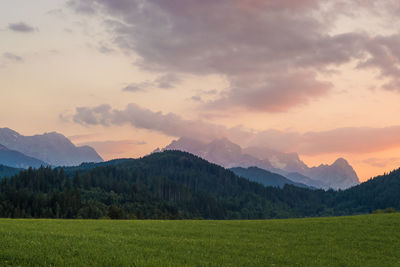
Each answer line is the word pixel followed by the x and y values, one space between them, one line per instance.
pixel 321 78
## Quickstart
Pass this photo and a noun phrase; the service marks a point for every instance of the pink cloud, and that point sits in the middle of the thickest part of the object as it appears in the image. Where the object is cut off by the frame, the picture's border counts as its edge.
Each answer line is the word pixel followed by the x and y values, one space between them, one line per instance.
pixel 341 140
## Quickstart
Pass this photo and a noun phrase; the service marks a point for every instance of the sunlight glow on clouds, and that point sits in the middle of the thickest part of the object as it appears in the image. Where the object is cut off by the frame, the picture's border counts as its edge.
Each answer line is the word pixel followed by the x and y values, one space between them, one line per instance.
pixel 340 140
pixel 311 76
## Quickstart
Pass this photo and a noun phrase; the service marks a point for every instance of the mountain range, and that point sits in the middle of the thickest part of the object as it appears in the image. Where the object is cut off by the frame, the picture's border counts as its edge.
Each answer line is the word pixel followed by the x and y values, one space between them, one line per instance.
pixel 264 177
pixel 54 149
pixel 15 159
pixel 46 149
pixel 339 175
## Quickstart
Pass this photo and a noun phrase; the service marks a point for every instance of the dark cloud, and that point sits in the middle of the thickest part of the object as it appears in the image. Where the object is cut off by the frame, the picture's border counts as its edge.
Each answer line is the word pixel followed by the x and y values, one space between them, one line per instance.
pixel 385 55
pixel 21 27
pixel 104 49
pixel 84 7
pixel 271 52
pixel 242 40
pixel 12 57
pixel 275 92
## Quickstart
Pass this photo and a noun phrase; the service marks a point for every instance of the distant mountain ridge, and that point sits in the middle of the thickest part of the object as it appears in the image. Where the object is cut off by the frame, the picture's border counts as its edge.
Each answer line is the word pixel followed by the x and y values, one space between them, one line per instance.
pixel 220 151
pixel 339 175
pixel 15 159
pixel 264 177
pixel 52 148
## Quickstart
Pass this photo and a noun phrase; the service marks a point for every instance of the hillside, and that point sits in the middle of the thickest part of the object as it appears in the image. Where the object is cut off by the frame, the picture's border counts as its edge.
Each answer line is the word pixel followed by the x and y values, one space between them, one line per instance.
pixel 6 171
pixel 171 184
pixel 178 185
pixel 264 177
pixel 378 193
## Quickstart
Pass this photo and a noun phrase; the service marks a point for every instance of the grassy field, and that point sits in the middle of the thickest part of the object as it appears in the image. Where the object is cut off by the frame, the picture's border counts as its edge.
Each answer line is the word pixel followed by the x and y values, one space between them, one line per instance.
pixel 371 240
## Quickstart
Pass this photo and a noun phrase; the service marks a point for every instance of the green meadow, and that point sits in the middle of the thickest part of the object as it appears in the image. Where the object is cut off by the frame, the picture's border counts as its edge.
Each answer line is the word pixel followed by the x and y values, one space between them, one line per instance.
pixel 367 240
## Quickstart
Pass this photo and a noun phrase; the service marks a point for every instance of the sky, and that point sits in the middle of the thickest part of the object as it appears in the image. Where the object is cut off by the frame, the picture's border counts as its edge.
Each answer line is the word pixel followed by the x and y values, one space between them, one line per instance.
pixel 320 78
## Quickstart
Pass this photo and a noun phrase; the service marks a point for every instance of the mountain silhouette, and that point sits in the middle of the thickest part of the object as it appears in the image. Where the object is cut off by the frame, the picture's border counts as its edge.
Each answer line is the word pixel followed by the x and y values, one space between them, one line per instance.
pixel 52 148
pixel 339 175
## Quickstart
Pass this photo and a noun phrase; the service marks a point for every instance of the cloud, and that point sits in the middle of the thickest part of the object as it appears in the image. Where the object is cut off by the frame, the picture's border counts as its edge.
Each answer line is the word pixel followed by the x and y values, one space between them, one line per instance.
pixel 357 140
pixel 275 139
pixel 105 49
pixel 83 7
pixel 12 57
pixel 166 81
pixel 201 94
pixel 384 54
pixel 136 87
pixel 169 124
pixel 350 140
pixel 252 44
pixel 341 140
pixel 21 27
pixel 382 162
pixel 57 12
pixel 209 92
pixel 80 137
pixel 196 98
pixel 273 93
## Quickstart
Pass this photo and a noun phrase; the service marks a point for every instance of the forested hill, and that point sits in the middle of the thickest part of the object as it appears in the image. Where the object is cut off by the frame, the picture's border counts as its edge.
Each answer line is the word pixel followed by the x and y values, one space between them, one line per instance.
pixel 379 193
pixel 264 177
pixel 172 185
pixel 6 171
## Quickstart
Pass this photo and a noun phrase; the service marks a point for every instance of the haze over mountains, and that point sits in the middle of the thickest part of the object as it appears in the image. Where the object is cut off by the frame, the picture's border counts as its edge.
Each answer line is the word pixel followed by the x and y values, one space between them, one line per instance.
pixel 54 149
pixel 339 175
pixel 46 149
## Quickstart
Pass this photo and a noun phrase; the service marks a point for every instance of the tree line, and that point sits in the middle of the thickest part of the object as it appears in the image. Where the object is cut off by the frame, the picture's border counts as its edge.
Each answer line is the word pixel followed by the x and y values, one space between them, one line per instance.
pixel 177 185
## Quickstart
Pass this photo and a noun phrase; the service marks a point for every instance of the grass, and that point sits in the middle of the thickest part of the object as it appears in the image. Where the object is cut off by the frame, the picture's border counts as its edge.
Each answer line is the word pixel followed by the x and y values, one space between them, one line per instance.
pixel 368 240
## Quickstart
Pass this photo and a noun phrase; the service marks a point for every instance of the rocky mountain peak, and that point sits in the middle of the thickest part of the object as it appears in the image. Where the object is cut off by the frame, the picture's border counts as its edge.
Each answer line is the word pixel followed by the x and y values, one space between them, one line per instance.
pixel 53 148
pixel 228 154
pixel 341 162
